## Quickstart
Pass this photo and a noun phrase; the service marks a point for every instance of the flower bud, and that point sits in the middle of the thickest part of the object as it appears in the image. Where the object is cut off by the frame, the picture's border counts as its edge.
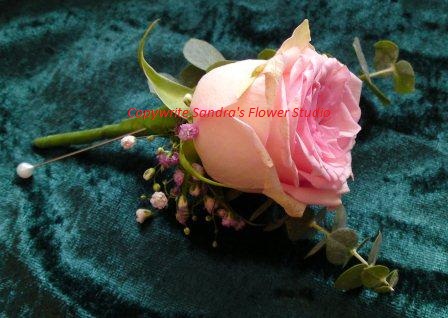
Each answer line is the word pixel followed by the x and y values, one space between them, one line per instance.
pixel 195 190
pixel 209 204
pixel 127 142
pixel 149 173
pixel 156 187
pixel 182 203
pixel 142 214
pixel 187 99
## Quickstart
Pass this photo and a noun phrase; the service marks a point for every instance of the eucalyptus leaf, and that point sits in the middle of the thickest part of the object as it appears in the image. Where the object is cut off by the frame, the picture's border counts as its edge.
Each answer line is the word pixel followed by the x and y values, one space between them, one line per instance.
pixel 373 255
pixel 201 54
pixel 218 64
pixel 262 208
pixel 171 93
pixel 378 93
pixel 361 58
pixel 298 228
pixel 404 77
pixel 316 248
pixel 339 245
pixel 340 219
pixel 191 75
pixel 386 54
pixel 392 278
pixel 351 278
pixel 266 54
pixel 374 276
pixel 274 225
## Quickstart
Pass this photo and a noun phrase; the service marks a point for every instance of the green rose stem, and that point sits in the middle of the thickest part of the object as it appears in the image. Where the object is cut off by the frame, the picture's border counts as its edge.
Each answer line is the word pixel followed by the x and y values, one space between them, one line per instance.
pixel 160 125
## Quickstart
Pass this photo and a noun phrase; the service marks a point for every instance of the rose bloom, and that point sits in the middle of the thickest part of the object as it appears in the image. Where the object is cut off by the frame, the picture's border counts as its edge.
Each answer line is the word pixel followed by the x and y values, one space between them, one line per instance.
pixel 295 160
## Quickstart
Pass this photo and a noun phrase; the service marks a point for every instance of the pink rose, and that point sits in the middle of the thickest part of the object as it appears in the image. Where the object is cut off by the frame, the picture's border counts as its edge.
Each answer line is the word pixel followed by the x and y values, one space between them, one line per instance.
pixel 295 160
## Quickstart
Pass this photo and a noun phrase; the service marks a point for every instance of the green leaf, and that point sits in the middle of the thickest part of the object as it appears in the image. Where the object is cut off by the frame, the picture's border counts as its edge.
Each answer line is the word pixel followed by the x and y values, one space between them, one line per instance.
pixel 373 255
pixel 351 278
pixel 299 228
pixel 316 248
pixel 274 225
pixel 392 278
pixel 374 276
pixel 378 93
pixel 339 245
pixel 404 77
pixel 201 54
pixel 185 163
pixel 340 219
pixel 386 54
pixel 261 209
pixel 191 75
pixel 266 54
pixel 218 64
pixel 171 93
pixel 361 58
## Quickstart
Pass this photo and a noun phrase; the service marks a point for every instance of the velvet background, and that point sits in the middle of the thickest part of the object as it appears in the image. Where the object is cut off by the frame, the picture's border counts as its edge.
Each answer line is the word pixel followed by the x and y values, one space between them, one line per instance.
pixel 69 242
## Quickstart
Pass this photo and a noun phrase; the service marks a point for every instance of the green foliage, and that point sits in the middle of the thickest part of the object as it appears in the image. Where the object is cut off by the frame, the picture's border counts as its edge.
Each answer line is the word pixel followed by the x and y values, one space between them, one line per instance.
pixel 191 75
pixel 339 245
pixel 316 248
pixel 373 255
pixel 386 65
pixel 404 78
pixel 186 164
pixel 170 92
pixel 299 228
pixel 201 54
pixel 266 54
pixel 386 54
pixel 351 278
pixel 340 219
pixel 218 64
pixel 374 276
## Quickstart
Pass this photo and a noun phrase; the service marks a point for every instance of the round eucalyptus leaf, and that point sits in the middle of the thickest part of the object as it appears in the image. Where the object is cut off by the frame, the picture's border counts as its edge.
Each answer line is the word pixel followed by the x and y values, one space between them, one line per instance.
pixel 374 276
pixel 201 53
pixel 266 54
pixel 386 54
pixel 339 245
pixel 404 77
pixel 351 278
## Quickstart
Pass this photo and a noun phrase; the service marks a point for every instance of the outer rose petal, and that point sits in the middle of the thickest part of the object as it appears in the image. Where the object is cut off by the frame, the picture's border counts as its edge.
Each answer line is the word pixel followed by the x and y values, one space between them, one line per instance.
pixel 300 38
pixel 232 153
pixel 223 86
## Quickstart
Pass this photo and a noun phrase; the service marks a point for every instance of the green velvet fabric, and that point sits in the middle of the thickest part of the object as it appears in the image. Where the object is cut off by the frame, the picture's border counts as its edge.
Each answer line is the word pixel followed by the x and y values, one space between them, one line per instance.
pixel 69 241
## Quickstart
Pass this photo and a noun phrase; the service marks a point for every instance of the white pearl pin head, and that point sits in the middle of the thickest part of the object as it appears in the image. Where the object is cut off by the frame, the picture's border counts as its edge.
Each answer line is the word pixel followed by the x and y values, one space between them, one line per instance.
pixel 25 170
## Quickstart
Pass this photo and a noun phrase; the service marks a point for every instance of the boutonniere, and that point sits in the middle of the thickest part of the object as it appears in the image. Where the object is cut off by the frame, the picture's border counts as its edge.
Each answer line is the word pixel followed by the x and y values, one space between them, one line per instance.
pixel 282 125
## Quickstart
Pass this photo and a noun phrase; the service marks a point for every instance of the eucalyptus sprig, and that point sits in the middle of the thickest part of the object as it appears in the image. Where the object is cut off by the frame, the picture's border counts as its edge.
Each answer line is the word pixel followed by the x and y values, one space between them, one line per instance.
pixel 341 245
pixel 386 65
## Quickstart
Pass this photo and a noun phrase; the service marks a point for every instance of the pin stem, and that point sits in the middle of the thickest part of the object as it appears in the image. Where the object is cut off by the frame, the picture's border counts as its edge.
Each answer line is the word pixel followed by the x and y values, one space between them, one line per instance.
pixel 87 148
